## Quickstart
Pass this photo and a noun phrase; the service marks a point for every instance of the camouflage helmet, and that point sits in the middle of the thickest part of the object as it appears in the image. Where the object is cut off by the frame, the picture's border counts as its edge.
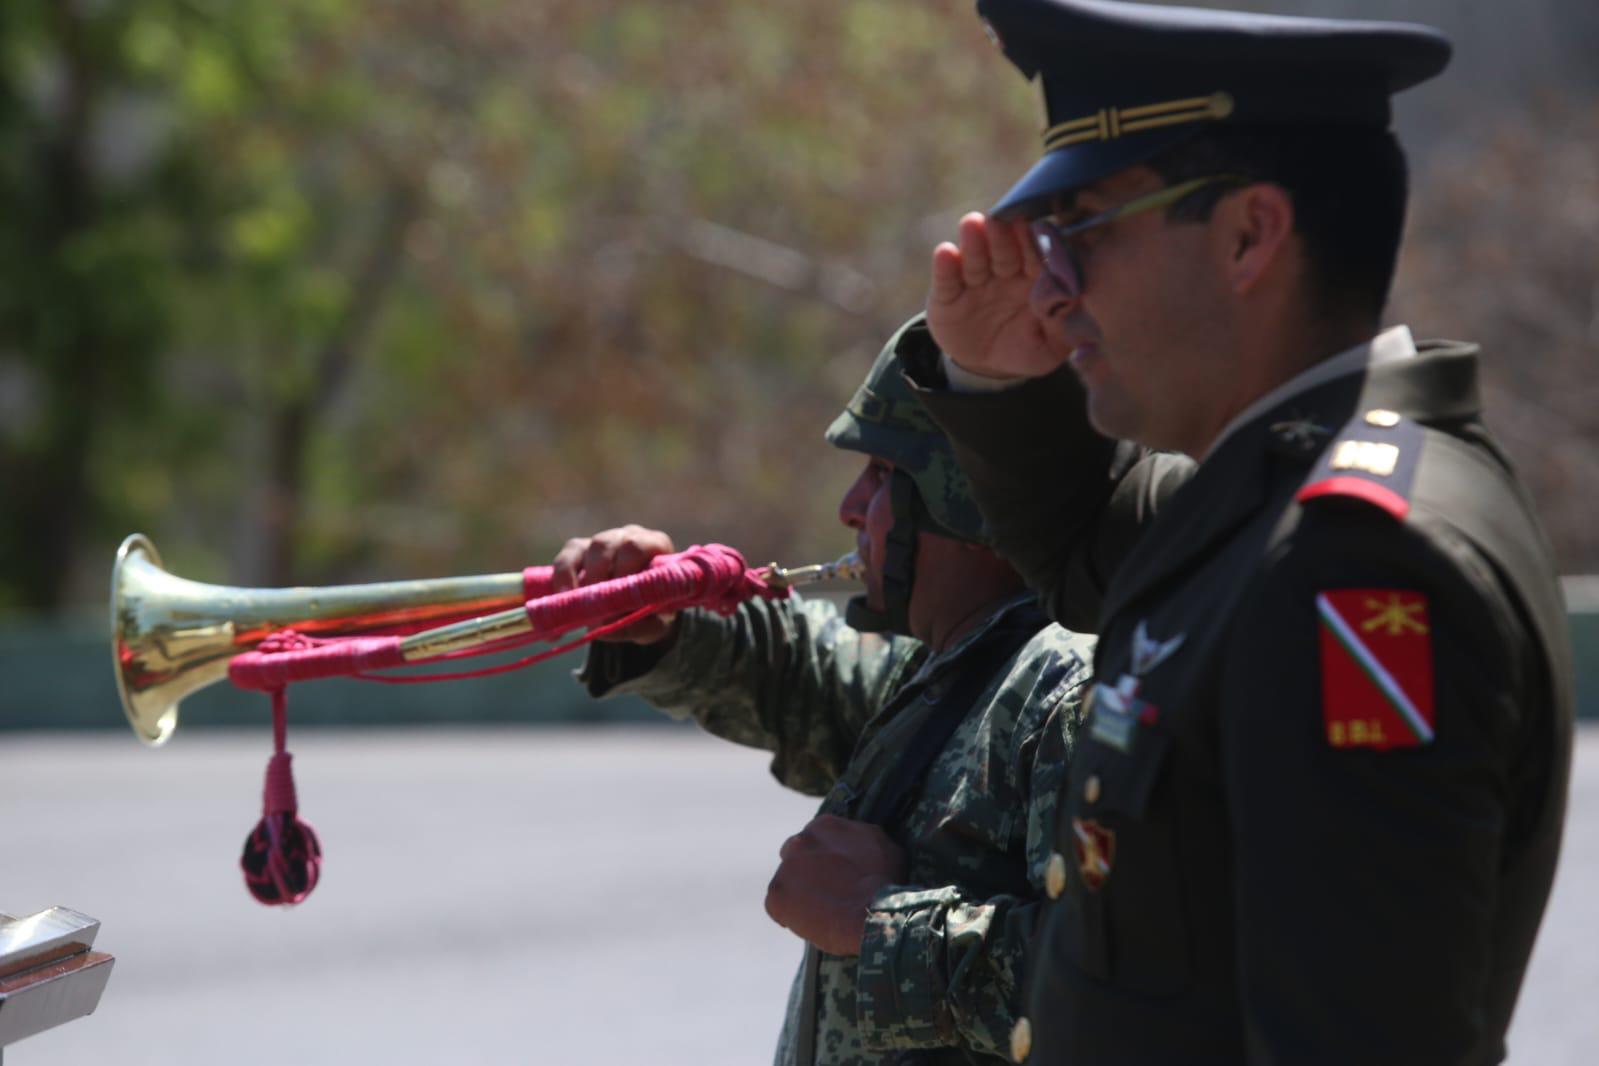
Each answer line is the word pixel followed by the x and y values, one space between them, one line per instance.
pixel 884 419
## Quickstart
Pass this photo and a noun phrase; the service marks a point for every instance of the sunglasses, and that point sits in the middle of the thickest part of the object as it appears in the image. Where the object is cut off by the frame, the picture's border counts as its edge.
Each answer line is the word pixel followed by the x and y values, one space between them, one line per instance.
pixel 1054 243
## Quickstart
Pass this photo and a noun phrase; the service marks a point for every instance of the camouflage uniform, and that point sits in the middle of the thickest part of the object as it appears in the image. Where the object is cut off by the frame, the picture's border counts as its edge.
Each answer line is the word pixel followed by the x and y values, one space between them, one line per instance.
pixel 957 756
pixel 940 963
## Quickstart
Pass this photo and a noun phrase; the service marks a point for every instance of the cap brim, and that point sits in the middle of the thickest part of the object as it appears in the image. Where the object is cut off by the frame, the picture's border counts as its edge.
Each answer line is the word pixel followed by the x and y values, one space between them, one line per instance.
pixel 1073 167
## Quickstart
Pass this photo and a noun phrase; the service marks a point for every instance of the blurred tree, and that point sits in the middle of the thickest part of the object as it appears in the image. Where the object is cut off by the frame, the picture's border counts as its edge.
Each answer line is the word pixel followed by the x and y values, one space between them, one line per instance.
pixel 92 200
pixel 451 280
pixel 314 290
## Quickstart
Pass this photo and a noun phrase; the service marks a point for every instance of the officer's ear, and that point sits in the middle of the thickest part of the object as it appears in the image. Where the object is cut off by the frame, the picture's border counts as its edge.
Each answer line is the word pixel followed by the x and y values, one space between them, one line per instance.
pixel 1254 230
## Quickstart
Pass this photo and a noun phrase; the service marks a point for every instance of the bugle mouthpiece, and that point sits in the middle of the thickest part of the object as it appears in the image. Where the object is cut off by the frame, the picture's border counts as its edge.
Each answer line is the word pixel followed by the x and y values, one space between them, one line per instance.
pixel 845 568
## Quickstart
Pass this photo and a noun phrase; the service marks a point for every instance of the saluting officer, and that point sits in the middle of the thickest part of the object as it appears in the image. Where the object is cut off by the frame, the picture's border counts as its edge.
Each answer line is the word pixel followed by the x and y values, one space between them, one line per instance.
pixel 1316 808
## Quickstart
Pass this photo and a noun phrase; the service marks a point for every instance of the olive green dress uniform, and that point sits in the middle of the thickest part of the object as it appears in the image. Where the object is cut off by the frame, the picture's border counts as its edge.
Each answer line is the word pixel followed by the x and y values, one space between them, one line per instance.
pixel 1267 861
pixel 939 973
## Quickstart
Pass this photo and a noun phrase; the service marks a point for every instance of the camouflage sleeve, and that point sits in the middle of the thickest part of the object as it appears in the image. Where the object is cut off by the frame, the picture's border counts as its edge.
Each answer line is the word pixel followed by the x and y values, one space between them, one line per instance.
pixel 788 677
pixel 939 967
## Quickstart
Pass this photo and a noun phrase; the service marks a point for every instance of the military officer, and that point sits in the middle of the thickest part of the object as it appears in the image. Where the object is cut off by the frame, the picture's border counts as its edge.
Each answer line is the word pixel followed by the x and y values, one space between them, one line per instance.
pixel 1315 810
pixel 935 720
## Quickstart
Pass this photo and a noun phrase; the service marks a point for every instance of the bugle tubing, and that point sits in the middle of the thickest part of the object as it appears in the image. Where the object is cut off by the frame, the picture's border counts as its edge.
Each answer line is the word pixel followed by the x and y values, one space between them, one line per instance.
pixel 171 637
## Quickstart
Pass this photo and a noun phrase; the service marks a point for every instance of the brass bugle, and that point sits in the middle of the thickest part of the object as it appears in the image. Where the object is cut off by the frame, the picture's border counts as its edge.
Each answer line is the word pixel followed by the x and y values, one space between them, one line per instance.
pixel 171 637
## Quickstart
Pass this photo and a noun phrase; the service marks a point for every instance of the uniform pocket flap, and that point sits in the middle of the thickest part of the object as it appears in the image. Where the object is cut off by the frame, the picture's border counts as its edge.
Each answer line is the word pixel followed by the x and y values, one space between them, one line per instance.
pixel 1122 780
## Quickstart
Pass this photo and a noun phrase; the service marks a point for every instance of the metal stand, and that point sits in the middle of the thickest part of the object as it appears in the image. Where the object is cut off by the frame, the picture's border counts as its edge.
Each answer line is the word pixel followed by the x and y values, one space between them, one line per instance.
pixel 48 974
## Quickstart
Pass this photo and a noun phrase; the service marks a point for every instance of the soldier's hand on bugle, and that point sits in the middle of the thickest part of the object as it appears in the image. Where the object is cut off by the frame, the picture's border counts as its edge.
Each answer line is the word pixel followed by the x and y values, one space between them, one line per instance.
pixel 615 553
pixel 977 303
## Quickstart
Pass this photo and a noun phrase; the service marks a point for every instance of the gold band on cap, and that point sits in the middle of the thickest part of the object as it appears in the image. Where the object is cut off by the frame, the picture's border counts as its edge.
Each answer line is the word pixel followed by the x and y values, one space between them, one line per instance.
pixel 1107 124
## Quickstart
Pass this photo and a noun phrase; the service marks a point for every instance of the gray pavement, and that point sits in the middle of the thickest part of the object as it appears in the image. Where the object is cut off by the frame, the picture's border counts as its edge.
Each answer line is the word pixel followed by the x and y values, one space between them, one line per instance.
pixel 517 896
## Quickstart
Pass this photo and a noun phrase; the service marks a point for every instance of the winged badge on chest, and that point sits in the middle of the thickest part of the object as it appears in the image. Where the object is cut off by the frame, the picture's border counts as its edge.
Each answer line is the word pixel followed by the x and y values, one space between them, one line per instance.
pixel 1118 709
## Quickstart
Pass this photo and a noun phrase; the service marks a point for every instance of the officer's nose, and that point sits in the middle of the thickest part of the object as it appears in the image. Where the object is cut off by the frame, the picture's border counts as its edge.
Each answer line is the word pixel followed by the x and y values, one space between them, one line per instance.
pixel 1049 300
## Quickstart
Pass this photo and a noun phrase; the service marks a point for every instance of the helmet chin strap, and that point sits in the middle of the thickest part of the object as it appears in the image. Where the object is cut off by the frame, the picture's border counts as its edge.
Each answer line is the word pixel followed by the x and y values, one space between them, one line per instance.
pixel 899 565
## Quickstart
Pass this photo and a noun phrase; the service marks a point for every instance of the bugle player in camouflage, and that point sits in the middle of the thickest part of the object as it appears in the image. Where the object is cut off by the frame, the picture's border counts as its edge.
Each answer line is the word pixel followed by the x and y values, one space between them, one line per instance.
pixel 934 718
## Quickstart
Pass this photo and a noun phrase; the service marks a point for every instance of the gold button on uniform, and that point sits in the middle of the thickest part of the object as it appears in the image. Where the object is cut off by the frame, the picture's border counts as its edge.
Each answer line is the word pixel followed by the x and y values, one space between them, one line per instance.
pixel 1381 417
pixel 1055 875
pixel 1091 788
pixel 1021 1040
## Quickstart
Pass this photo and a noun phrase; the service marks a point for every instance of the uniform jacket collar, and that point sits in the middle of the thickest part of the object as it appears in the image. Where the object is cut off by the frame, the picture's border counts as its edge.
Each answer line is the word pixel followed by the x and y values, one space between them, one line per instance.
pixel 946 659
pixel 1264 453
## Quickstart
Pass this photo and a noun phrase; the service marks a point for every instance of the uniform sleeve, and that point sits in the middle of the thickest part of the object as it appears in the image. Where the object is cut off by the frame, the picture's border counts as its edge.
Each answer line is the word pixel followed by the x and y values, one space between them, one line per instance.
pixel 1366 878
pixel 784 676
pixel 1063 503
pixel 939 967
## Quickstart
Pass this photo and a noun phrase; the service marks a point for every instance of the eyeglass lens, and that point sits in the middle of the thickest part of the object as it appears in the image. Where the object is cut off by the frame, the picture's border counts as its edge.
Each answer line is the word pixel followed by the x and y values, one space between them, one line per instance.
pixel 1055 251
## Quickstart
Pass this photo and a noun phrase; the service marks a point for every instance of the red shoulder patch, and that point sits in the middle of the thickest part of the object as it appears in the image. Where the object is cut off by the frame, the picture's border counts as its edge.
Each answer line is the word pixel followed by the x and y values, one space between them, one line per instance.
pixel 1376 668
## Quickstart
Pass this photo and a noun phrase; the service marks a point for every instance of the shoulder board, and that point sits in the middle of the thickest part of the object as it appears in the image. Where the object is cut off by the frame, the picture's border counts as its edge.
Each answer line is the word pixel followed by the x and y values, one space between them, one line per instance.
pixel 1373 459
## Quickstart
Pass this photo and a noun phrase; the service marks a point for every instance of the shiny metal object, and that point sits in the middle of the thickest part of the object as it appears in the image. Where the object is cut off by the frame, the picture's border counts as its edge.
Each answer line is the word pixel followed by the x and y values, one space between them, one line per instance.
pixel 48 974
pixel 171 637
pixel 844 568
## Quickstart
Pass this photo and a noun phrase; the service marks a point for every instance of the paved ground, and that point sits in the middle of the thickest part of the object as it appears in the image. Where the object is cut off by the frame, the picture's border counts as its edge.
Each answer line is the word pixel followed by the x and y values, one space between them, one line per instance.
pixel 529 896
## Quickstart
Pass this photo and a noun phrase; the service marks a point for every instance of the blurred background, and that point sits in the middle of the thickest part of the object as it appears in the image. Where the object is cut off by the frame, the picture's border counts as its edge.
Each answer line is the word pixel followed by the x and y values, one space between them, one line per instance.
pixel 322 291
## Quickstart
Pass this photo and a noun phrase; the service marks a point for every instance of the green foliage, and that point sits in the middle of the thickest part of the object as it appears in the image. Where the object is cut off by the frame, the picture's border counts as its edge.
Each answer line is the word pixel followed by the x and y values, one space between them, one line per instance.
pixel 509 271
pixel 313 291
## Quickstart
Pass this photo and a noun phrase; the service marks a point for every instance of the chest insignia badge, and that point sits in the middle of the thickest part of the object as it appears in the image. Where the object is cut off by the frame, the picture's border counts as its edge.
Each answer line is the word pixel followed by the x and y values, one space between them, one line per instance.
pixel 1095 847
pixel 1118 709
pixel 1376 668
pixel 1148 652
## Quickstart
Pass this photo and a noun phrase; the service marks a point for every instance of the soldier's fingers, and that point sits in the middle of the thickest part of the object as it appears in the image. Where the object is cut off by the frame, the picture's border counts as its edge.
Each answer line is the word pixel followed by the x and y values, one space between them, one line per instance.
pixel 864 841
pixel 946 286
pixel 891 857
pixel 1032 262
pixel 637 548
pixel 793 904
pixel 1004 252
pixel 599 558
pixel 568 562
pixel 832 827
pixel 977 266
pixel 793 846
pixel 777 899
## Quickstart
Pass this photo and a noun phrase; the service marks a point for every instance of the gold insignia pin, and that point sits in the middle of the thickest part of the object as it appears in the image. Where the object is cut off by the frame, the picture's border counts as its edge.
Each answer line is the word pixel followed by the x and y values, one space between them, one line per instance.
pixel 1373 457
pixel 1382 417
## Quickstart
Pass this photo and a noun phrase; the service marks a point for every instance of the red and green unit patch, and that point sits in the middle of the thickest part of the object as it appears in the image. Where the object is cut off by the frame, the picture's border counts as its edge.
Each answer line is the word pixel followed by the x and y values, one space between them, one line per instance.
pixel 1376 668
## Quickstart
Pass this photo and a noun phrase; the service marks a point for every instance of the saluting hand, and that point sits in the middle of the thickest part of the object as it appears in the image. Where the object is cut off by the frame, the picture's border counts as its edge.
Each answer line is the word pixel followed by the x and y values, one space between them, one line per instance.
pixel 830 871
pixel 619 552
pixel 977 304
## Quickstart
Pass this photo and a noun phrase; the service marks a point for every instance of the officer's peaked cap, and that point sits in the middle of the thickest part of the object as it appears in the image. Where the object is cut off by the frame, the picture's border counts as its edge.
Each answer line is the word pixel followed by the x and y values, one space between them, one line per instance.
pixel 1123 82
